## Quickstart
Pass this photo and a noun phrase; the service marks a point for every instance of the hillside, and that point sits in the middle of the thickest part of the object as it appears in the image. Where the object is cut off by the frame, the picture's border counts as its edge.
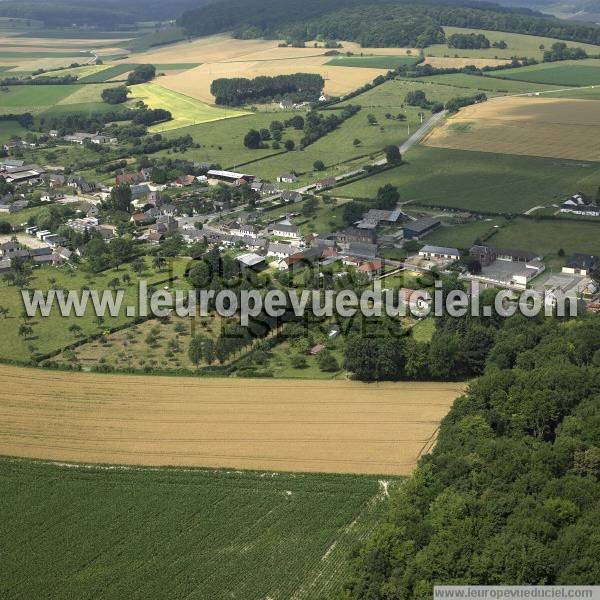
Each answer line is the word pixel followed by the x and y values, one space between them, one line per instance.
pixel 380 23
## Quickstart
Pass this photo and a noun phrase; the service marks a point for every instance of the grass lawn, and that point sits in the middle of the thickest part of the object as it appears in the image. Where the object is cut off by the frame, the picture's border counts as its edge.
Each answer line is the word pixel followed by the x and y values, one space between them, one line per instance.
pixel 423 330
pixel 280 365
pixel 490 84
pixel 518 45
pixel 548 236
pixel 463 236
pixel 33 98
pixel 195 533
pixel 480 181
pixel 79 72
pixel 16 219
pixel 373 62
pixel 185 110
pixel 575 73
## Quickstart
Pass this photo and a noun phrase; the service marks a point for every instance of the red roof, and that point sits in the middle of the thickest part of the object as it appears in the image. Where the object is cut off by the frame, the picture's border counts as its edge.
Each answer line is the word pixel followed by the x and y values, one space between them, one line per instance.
pixel 371 267
pixel 128 178
pixel 316 349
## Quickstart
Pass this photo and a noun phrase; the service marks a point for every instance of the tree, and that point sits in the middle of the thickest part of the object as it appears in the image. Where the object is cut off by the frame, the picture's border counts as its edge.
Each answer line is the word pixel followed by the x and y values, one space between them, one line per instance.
pixel 141 74
pixel 392 154
pixel 4 311
pixel 289 145
pixel 195 350
pixel 158 262
pixel 371 119
pixel 318 165
pixel 356 143
pixel 387 197
pixel 115 95
pixel 5 227
pixel 252 140
pixel 120 198
pixel 327 362
pixel 310 207
pixel 25 330
pixel 120 250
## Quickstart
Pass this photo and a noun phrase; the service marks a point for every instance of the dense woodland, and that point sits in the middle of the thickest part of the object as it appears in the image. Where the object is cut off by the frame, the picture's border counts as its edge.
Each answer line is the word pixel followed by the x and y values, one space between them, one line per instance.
pixel 511 493
pixel 381 23
pixel 109 14
pixel 298 87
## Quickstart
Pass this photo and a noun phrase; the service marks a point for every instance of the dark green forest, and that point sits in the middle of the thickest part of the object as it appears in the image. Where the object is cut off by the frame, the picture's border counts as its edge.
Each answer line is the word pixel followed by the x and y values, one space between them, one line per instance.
pixel 380 23
pixel 511 492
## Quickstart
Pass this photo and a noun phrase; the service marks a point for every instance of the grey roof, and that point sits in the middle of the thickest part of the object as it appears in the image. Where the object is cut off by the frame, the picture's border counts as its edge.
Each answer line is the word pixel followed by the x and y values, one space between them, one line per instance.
pixel 361 250
pixel 582 261
pixel 421 224
pixel 440 250
pixel 250 259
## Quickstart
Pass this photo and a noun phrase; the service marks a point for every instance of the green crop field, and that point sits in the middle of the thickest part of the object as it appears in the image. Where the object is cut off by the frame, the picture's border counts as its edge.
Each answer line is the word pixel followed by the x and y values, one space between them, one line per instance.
pixel 480 181
pixel 154 38
pixel 108 73
pixel 491 85
pixel 580 73
pixel 373 62
pixel 185 110
pixel 76 34
pixel 6 54
pixel 518 45
pixel 75 532
pixel 33 98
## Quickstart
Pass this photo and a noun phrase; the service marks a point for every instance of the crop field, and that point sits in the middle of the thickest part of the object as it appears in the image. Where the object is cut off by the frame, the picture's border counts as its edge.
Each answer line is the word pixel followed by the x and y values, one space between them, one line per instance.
pixel 518 45
pixel 374 62
pixel 532 126
pixel 455 62
pixel 164 533
pixel 308 426
pixel 490 84
pixel 479 181
pixel 185 110
pixel 33 98
pixel 565 73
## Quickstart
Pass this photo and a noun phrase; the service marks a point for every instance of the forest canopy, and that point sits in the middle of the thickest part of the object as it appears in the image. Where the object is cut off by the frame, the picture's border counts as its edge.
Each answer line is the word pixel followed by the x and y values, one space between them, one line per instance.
pixel 380 23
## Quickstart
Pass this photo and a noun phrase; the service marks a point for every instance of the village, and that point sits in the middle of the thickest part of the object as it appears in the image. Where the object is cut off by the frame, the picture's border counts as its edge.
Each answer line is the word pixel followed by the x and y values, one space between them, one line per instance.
pixel 237 213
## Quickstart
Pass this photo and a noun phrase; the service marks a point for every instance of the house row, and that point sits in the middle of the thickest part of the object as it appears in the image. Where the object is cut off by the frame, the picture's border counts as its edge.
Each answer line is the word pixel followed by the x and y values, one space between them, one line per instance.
pixel 95 138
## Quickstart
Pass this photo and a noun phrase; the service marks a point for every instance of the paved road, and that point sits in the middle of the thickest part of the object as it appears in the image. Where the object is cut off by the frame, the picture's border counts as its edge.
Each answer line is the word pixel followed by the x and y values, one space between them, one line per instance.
pixel 418 135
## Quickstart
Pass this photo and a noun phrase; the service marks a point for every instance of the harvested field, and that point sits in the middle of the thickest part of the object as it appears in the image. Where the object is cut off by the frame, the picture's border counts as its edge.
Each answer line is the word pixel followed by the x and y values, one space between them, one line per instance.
pixel 338 80
pixel 447 62
pixel 325 426
pixel 531 126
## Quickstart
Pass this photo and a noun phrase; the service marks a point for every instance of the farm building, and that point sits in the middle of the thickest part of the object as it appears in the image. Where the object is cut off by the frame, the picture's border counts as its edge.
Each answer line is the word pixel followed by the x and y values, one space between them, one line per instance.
pixel 287 178
pixel 229 177
pixel 285 229
pixel 251 261
pixel 581 264
pixel 439 252
pixel 415 230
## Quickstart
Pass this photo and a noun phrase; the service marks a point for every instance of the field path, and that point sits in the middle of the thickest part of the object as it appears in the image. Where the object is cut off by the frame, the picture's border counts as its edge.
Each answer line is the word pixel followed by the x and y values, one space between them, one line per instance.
pixel 289 425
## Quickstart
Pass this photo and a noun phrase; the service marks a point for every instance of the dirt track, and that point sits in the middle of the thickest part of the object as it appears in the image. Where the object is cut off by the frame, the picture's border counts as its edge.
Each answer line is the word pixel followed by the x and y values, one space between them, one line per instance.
pixel 329 426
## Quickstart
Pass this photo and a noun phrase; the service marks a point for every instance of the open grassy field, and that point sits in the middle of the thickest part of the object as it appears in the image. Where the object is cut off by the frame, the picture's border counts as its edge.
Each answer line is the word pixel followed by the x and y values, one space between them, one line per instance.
pixel 373 62
pixel 308 426
pixel 571 73
pixel 185 110
pixel 478 181
pixel 222 141
pixel 489 84
pixel 148 533
pixel 518 45
pixel 464 236
pixel 532 126
pixel 548 236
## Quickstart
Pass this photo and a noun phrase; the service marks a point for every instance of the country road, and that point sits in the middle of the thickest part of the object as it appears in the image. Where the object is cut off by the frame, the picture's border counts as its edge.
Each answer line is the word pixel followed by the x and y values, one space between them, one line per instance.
pixel 418 135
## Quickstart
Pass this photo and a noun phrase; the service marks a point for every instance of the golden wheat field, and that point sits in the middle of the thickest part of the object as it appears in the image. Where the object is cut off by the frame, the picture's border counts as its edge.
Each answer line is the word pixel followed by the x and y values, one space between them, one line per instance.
pixel 448 62
pixel 317 426
pixel 223 56
pixel 532 126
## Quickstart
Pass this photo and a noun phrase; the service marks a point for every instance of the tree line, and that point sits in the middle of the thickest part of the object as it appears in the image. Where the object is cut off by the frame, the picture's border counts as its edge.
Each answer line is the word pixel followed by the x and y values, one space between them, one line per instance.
pixel 298 87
